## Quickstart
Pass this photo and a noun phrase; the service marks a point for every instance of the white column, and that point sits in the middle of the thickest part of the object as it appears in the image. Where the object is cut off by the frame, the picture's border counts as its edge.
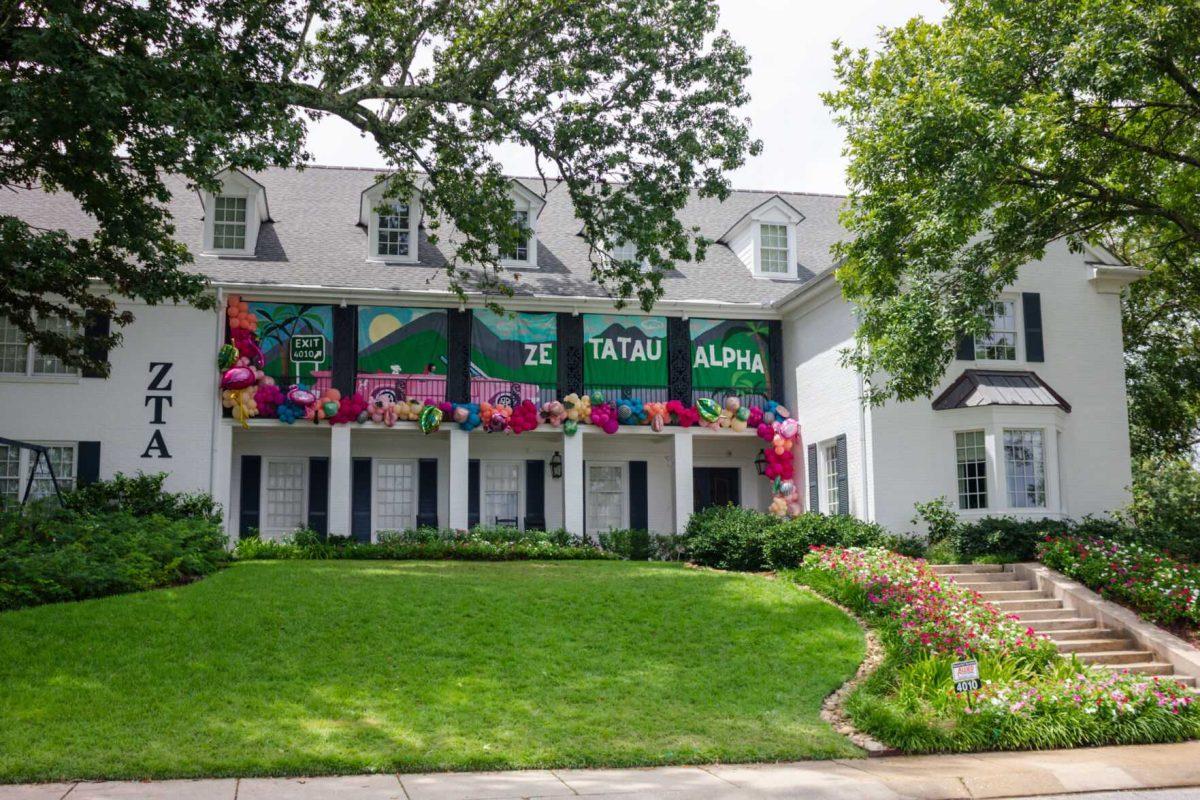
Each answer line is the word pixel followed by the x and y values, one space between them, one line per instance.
pixel 573 484
pixel 682 462
pixel 340 470
pixel 222 476
pixel 460 455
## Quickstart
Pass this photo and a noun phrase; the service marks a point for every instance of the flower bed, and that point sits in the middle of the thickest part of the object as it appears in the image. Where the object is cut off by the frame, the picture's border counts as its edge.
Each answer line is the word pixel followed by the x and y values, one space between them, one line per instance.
pixel 1145 579
pixel 1030 698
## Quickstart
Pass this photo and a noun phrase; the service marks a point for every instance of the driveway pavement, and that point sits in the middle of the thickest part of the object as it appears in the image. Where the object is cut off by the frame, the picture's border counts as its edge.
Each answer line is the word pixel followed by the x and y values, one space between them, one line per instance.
pixel 989 775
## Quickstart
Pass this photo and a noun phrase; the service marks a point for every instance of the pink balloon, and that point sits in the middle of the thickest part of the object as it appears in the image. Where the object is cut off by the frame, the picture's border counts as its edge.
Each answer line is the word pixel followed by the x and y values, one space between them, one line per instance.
pixel 237 378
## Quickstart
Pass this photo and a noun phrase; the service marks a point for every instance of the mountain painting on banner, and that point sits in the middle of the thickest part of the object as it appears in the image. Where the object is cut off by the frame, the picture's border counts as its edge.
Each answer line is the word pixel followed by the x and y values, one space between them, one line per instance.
pixel 517 347
pixel 624 350
pixel 731 355
pixel 402 341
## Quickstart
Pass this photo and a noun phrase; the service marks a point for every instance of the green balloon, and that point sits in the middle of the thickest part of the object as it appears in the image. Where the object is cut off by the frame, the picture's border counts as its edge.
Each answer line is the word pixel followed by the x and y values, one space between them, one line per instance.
pixel 430 419
pixel 708 408
pixel 570 427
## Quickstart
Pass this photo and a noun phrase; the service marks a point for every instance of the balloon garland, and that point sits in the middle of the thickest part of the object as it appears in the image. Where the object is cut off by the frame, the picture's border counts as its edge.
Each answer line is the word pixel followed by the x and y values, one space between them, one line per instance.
pixel 776 427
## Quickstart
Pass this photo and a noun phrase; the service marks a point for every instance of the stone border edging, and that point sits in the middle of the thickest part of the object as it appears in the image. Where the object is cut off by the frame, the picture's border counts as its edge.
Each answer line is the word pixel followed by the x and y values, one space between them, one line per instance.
pixel 1183 657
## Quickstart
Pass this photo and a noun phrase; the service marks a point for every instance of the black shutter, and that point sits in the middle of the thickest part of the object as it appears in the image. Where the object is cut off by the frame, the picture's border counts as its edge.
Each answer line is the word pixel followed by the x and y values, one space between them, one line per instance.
pixel 843 481
pixel 639 501
pixel 570 354
pixel 427 493
pixel 95 326
pixel 813 499
pixel 679 360
pixel 360 499
pixel 88 467
pixel 1031 306
pixel 345 349
pixel 472 492
pixel 458 357
pixel 535 495
pixel 701 489
pixel 248 516
pixel 966 348
pixel 775 361
pixel 318 494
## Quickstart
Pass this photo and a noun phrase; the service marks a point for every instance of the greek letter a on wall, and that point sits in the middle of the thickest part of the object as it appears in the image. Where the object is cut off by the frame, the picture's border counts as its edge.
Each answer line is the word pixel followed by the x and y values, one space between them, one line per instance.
pixel 158 400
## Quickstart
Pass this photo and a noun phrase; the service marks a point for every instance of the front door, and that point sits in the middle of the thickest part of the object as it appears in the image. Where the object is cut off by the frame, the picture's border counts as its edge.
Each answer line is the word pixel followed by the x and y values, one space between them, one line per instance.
pixel 716 486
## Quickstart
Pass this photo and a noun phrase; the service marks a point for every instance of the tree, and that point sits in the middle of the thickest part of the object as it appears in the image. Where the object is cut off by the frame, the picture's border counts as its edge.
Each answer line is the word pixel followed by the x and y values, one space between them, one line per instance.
pixel 977 141
pixel 632 102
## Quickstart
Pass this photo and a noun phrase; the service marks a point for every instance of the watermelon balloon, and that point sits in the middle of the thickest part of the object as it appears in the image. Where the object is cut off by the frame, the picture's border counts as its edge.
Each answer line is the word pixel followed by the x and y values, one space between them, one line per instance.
pixel 430 419
pixel 708 408
pixel 571 427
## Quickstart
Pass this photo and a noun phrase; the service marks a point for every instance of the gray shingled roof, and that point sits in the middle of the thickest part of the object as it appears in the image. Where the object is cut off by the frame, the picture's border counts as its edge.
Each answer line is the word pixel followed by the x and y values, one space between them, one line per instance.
pixel 979 387
pixel 313 240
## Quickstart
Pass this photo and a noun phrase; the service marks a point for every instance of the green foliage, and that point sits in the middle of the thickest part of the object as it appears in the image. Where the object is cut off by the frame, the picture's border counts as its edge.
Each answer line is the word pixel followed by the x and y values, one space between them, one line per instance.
pixel 59 555
pixel 732 537
pixel 141 495
pixel 634 105
pixel 1165 505
pixel 635 544
pixel 977 141
pixel 939 518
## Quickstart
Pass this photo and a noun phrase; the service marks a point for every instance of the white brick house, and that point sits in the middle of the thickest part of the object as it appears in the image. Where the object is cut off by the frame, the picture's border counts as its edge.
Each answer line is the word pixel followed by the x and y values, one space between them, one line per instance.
pixel 1030 421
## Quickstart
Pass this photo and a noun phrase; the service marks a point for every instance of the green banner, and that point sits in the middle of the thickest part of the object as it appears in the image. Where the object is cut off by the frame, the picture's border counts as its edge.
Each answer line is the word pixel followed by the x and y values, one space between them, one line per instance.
pixel 730 354
pixel 402 341
pixel 623 350
pixel 311 326
pixel 518 347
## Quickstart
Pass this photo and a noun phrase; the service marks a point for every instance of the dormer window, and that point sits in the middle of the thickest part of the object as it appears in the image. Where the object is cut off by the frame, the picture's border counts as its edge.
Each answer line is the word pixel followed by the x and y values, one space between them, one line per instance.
pixel 233 214
pixel 624 252
pixel 229 223
pixel 764 239
pixel 773 248
pixel 392 231
pixel 521 253
pixel 527 204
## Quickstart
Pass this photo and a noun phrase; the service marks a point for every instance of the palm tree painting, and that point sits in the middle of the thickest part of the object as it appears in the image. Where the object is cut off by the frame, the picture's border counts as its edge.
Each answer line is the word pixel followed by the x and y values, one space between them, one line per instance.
pixel 278 323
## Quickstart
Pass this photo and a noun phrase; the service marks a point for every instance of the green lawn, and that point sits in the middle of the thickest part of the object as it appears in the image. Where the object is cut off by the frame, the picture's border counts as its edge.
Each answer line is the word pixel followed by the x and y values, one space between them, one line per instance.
pixel 334 667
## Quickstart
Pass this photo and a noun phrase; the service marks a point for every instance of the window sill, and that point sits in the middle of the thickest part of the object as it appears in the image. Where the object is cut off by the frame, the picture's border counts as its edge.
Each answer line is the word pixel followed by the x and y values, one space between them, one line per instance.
pixel 60 379
pixel 236 254
pixel 393 260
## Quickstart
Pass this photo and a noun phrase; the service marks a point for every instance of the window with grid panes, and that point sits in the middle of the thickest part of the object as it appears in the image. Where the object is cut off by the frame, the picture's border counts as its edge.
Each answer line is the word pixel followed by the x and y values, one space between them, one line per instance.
pixel 395 490
pixel 284 496
pixel 833 495
pixel 971 459
pixel 229 223
pixel 501 493
pixel 773 248
pixel 1025 468
pixel 605 497
pixel 1001 343
pixel 521 253
pixel 392 231
pixel 19 357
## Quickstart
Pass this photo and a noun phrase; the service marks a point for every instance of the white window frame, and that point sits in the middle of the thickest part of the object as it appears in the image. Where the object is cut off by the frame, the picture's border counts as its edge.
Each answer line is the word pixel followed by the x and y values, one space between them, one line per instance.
pixel 377 496
pixel 235 184
pixel 25 462
pixel 625 251
pixel 484 518
pixel 245 223
pixel 787 248
pixel 31 356
pixel 960 481
pixel 830 490
pixel 530 260
pixel 377 203
pixel 1018 339
pixel 1044 465
pixel 269 531
pixel 589 505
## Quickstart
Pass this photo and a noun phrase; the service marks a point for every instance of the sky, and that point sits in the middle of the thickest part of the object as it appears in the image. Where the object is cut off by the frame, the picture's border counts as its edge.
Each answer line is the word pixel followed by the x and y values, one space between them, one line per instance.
pixel 790 46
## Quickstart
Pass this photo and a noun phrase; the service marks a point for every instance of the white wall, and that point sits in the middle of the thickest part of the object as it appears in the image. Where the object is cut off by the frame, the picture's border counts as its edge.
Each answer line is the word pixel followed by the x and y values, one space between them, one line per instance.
pixel 115 410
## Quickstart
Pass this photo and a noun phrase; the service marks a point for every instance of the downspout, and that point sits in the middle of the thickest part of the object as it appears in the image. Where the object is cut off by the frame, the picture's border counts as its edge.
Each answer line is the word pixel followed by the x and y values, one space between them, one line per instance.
pixel 216 395
pixel 868 505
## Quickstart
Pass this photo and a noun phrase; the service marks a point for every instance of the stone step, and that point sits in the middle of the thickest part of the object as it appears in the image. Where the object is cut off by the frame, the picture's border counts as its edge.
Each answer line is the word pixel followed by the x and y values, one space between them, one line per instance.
pixel 1145 668
pixel 1043 614
pixel 1118 657
pixel 980 577
pixel 998 586
pixel 1038 604
pixel 1056 623
pixel 943 568
pixel 1016 594
pixel 1072 634
pixel 1098 645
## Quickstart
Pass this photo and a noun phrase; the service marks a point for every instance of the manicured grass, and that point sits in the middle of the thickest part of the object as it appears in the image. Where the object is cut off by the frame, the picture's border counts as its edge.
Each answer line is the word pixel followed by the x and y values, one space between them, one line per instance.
pixel 337 667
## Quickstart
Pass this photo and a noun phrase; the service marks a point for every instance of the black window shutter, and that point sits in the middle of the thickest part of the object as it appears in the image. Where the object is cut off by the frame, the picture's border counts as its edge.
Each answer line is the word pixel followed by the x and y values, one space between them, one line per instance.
pixel 318 494
pixel 472 492
pixel 570 353
pixel 248 517
pixel 88 467
pixel 427 493
pixel 95 326
pixel 639 500
pixel 775 361
pixel 360 499
pixel 679 360
pixel 701 489
pixel 535 494
pixel 966 348
pixel 345 349
pixel 1031 306
pixel 843 478
pixel 813 499
pixel 458 356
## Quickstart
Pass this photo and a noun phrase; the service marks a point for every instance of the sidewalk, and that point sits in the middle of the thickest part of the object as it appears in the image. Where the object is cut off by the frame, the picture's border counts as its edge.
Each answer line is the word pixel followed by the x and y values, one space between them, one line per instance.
pixel 941 777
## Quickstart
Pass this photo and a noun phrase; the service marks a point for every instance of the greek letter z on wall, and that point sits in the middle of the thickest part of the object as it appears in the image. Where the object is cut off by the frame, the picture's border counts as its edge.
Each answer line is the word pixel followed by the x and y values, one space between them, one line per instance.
pixel 158 400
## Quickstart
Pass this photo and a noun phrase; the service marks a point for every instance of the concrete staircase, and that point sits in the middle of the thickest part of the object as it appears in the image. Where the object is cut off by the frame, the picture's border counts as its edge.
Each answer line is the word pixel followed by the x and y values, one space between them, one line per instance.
pixel 1071 633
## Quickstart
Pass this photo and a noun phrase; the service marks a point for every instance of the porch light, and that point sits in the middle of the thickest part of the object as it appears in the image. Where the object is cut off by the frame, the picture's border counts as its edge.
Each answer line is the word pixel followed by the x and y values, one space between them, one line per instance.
pixel 556 465
pixel 760 463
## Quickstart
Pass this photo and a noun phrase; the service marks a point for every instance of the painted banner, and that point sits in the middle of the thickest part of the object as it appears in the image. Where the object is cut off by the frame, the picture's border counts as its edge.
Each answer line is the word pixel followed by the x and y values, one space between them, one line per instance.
pixel 296 340
pixel 402 341
pixel 622 350
pixel 730 354
pixel 517 347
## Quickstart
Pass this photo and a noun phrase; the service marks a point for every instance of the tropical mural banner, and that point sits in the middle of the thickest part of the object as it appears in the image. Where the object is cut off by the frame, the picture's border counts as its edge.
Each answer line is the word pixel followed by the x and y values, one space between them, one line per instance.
pixel 519 347
pixel 730 354
pixel 394 340
pixel 296 339
pixel 623 350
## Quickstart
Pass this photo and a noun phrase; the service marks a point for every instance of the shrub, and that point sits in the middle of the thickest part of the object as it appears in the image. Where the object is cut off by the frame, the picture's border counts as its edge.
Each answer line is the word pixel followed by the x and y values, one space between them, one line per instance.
pixel 1142 577
pixel 728 537
pixel 141 495
pixel 1005 538
pixel 1163 508
pixel 55 555
pixel 787 543
pixel 940 520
